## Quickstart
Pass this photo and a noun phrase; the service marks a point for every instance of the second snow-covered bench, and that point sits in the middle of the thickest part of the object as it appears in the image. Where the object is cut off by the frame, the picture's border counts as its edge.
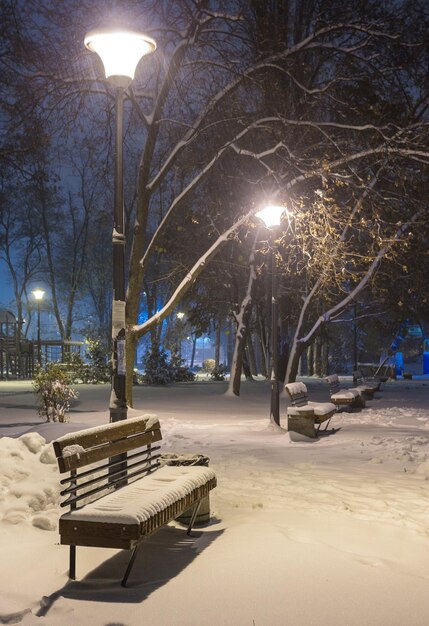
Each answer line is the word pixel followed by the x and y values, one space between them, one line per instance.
pixel 120 500
pixel 353 397
pixel 305 417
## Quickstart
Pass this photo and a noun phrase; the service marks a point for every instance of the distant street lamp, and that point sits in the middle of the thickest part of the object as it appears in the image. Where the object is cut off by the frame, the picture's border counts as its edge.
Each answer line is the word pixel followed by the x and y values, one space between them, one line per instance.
pixel 38 295
pixel 180 316
pixel 271 216
pixel 120 51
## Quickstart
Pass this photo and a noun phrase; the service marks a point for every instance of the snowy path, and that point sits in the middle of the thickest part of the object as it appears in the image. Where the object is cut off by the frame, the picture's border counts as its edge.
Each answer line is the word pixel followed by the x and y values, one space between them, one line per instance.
pixel 330 533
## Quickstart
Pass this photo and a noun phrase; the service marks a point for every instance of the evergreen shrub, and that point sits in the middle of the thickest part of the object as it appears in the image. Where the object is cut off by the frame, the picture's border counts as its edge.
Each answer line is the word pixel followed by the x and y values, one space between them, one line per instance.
pixel 219 372
pixel 158 370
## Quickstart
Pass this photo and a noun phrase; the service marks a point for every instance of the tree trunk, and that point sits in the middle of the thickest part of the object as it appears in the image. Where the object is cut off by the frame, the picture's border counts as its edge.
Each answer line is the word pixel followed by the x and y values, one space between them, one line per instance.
pixel 293 364
pixel 317 355
pixel 310 360
pixel 246 367
pixel 218 336
pixel 229 345
pixel 263 356
pixel 302 365
pixel 251 355
pixel 130 352
pixel 243 318
pixel 194 347
pixel 325 357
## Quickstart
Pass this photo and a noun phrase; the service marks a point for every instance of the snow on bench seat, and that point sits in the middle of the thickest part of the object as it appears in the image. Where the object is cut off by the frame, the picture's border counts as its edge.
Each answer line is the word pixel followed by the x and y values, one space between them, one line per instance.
pixel 138 502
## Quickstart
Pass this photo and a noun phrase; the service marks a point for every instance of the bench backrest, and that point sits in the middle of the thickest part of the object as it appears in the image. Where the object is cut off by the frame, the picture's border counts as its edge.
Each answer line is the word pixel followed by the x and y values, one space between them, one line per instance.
pixel 108 443
pixel 358 377
pixel 334 383
pixel 297 392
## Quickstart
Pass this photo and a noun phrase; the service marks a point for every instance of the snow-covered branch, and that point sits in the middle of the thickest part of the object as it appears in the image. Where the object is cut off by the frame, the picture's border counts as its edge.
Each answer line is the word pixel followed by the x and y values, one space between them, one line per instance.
pixel 190 278
pixel 340 306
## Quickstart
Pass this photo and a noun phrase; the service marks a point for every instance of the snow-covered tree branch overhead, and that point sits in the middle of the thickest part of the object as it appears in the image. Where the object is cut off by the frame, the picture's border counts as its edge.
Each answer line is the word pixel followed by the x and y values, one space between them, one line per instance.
pixel 301 341
pixel 242 320
pixel 190 278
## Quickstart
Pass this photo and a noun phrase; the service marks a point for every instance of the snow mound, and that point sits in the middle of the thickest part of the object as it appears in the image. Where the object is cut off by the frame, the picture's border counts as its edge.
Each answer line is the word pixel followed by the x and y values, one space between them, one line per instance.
pixel 423 470
pixel 29 482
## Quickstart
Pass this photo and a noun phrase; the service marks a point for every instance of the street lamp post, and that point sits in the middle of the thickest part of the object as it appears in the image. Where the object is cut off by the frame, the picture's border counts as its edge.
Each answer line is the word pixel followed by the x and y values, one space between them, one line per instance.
pixel 271 216
pixel 120 51
pixel 180 317
pixel 38 295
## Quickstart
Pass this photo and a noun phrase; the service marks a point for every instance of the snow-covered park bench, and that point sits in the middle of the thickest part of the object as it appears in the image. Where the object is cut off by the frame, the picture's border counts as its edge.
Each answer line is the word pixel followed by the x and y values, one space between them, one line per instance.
pixel 353 397
pixel 305 417
pixel 367 385
pixel 116 502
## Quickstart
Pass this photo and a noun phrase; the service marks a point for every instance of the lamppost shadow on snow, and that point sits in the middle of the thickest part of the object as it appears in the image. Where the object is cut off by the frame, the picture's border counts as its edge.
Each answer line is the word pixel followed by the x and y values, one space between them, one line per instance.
pixel 160 558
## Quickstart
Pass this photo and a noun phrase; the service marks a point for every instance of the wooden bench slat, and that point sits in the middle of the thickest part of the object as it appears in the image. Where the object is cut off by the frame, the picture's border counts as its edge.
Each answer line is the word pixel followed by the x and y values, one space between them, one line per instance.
pixel 97 435
pixel 67 463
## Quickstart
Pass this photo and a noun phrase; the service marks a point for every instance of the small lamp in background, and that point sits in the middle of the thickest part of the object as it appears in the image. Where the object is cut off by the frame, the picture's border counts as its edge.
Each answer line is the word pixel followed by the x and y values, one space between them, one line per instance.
pixel 38 296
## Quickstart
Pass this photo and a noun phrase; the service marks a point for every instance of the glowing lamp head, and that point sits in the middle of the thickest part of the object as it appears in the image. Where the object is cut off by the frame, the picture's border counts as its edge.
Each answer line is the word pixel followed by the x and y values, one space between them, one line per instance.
pixel 180 315
pixel 120 50
pixel 271 215
pixel 38 294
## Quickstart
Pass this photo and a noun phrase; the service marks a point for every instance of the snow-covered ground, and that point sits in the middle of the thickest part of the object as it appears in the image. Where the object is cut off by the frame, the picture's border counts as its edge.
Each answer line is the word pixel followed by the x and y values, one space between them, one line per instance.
pixel 332 532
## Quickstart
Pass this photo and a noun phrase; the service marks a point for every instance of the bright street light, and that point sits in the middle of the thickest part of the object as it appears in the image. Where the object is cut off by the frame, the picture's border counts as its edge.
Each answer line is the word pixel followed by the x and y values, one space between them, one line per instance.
pixel 38 296
pixel 120 50
pixel 271 215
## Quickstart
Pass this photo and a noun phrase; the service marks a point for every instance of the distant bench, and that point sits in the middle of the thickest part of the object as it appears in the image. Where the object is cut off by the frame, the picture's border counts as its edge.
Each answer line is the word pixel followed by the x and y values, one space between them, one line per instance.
pixel 131 498
pixel 305 417
pixel 353 397
pixel 367 385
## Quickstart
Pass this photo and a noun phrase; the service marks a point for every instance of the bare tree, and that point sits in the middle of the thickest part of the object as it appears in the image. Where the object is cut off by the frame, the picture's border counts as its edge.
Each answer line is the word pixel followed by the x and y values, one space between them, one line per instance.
pixel 336 80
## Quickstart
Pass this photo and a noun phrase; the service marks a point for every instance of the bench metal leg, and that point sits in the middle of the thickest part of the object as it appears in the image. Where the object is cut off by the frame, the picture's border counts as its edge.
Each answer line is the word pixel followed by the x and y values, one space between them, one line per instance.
pixel 193 517
pixel 129 566
pixel 320 424
pixel 328 422
pixel 72 563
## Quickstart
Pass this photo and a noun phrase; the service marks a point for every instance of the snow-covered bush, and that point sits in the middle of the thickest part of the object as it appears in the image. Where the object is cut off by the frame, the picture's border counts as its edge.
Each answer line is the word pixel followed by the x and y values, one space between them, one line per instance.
pixel 77 370
pixel 208 365
pixel 158 370
pixel 96 370
pixel 99 366
pixel 52 387
pixel 183 374
pixel 219 372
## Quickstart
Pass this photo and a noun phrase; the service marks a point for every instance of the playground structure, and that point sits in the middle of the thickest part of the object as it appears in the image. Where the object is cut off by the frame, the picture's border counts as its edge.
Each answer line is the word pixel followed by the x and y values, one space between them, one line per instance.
pixel 18 355
pixel 409 351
